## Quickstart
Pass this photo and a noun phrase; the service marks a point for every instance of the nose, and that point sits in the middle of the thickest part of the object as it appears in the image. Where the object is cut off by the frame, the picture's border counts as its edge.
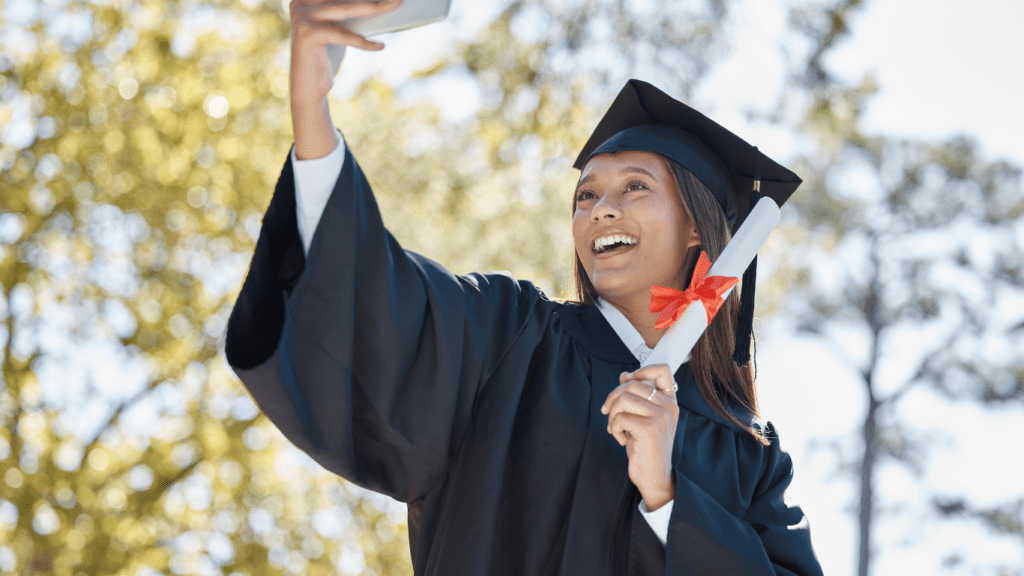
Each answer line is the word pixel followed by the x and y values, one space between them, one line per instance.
pixel 605 209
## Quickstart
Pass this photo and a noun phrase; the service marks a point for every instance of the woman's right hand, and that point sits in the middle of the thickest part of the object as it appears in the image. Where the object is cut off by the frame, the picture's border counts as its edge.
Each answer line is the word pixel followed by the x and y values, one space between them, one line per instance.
pixel 315 25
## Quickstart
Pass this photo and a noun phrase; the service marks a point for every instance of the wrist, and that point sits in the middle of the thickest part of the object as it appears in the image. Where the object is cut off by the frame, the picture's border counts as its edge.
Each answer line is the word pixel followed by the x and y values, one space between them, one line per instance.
pixel 656 503
pixel 315 107
pixel 656 498
pixel 315 135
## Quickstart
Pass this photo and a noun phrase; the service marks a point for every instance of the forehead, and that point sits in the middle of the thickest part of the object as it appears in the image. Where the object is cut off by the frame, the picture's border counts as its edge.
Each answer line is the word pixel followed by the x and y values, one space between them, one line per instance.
pixel 610 164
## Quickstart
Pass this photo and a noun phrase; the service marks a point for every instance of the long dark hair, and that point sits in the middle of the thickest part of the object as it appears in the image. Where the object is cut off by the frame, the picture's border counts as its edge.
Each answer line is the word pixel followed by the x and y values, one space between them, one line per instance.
pixel 720 380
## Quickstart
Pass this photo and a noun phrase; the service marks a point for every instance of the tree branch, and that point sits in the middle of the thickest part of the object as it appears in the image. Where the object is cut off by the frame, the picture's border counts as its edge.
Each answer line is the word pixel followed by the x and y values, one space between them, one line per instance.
pixel 115 416
pixel 922 371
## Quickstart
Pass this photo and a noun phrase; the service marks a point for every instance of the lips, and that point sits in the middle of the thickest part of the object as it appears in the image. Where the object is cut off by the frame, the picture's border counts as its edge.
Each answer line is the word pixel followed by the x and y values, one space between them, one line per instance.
pixel 615 251
pixel 614 243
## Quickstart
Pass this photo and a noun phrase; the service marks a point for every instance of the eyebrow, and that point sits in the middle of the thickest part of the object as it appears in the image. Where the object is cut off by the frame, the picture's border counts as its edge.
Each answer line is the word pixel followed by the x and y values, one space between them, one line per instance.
pixel 626 170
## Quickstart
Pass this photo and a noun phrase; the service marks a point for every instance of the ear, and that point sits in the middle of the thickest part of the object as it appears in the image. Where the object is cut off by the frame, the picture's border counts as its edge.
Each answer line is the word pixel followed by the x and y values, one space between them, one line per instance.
pixel 694 236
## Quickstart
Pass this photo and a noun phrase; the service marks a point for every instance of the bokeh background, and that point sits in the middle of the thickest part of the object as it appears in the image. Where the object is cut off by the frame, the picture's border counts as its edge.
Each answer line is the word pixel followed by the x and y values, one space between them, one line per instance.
pixel 140 142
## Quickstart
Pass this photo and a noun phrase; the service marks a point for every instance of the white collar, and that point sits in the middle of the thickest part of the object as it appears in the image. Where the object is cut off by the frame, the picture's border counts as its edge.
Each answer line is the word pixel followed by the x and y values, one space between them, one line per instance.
pixel 625 330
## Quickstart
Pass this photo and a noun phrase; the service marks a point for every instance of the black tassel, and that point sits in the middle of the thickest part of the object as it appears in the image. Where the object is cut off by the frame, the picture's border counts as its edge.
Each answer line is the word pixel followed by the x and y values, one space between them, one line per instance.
pixel 745 323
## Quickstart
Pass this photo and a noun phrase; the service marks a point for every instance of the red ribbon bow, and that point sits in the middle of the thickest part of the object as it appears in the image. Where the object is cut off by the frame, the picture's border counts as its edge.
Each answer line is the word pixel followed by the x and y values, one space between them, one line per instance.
pixel 672 303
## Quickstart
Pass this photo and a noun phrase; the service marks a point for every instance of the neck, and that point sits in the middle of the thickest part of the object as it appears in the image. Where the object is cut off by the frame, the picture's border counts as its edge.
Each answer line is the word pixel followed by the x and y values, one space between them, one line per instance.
pixel 636 309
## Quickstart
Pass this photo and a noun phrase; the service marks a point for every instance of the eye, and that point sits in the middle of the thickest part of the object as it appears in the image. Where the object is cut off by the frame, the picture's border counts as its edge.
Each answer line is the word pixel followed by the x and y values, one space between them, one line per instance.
pixel 635 185
pixel 584 195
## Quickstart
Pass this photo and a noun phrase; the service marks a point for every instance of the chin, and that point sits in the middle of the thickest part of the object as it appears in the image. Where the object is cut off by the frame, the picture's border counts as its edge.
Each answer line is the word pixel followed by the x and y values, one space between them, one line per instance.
pixel 612 286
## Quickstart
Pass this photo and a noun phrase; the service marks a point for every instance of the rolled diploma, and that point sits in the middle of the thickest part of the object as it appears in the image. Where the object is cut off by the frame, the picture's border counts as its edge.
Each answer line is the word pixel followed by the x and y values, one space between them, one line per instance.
pixel 675 345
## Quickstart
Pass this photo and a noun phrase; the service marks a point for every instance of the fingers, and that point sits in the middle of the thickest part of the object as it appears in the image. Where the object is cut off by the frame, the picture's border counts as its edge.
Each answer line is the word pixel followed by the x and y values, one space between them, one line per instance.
pixel 630 404
pixel 631 397
pixel 634 384
pixel 320 24
pixel 657 372
pixel 320 33
pixel 623 425
pixel 644 402
pixel 336 11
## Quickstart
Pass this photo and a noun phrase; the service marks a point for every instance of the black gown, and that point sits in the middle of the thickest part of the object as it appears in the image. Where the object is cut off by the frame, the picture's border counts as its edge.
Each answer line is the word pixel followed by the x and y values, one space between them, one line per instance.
pixel 476 400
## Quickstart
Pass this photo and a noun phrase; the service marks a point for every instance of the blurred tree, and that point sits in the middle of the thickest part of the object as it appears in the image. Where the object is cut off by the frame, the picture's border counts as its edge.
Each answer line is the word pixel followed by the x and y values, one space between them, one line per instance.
pixel 139 144
pixel 137 157
pixel 911 254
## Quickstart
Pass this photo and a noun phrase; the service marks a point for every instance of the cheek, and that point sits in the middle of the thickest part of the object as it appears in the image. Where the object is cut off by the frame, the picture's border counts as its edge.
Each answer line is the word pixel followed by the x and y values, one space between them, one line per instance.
pixel 579 237
pixel 682 224
pixel 578 228
pixel 668 226
pixel 683 215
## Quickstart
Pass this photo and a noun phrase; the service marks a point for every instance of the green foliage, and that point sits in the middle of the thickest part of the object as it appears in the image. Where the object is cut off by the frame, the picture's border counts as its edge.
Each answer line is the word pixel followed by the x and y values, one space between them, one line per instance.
pixel 128 223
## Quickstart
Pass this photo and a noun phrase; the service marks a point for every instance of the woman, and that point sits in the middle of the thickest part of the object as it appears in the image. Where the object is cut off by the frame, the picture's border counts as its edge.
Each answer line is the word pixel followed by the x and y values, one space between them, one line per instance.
pixel 518 429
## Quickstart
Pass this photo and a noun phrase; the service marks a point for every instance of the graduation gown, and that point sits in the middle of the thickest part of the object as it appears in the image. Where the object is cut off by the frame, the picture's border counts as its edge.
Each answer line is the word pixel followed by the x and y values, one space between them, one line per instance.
pixel 476 400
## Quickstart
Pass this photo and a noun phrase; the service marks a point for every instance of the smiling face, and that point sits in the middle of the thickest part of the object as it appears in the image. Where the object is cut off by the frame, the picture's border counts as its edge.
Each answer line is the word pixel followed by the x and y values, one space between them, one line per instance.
pixel 631 228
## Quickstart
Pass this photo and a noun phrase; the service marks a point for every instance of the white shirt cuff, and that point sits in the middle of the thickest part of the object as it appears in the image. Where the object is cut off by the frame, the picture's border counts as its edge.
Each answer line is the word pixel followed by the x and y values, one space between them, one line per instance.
pixel 314 182
pixel 658 519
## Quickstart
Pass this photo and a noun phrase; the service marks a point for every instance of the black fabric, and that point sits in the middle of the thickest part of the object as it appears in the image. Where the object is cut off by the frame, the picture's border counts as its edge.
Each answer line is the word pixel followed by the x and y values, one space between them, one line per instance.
pixel 745 318
pixel 477 400
pixel 640 107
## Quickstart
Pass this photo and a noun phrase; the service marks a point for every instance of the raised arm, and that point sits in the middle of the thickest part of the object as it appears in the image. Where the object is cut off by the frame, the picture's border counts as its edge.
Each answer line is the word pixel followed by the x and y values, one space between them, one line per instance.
pixel 367 357
pixel 314 25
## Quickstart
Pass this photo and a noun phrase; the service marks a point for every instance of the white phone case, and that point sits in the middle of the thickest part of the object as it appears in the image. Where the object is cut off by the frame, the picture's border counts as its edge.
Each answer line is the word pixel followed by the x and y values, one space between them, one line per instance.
pixel 410 14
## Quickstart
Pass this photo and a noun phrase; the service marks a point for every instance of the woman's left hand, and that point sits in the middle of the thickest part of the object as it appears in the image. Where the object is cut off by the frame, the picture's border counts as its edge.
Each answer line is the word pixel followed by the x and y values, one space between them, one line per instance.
pixel 647 428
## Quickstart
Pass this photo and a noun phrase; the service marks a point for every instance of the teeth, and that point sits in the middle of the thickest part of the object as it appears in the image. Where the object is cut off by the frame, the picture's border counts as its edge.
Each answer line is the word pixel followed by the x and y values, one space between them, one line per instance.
pixel 612 239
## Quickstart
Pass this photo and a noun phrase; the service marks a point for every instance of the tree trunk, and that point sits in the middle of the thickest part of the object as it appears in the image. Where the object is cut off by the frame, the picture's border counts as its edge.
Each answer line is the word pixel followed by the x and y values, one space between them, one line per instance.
pixel 867 488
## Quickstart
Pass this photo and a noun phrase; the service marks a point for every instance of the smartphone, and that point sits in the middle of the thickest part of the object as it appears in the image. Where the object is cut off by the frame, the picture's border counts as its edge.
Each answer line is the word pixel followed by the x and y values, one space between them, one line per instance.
pixel 410 14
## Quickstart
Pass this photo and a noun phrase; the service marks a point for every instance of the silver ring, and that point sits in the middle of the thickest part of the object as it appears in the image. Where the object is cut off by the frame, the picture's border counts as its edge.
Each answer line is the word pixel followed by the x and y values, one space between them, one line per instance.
pixel 654 390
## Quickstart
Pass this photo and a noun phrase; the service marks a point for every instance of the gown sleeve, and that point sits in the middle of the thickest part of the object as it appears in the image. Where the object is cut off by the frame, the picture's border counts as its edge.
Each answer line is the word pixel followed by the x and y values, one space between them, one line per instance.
pixel 770 538
pixel 314 182
pixel 367 357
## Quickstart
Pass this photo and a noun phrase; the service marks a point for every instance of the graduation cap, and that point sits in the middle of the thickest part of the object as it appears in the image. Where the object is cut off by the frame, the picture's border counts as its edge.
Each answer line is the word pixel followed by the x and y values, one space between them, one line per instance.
pixel 644 118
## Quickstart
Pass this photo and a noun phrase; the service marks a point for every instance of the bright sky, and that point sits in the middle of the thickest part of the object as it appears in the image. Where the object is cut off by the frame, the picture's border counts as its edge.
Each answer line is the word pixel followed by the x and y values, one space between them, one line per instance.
pixel 945 67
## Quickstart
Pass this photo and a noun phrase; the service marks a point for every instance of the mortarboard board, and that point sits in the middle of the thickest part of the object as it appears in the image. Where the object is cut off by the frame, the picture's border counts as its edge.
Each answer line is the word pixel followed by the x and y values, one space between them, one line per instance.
pixel 643 117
